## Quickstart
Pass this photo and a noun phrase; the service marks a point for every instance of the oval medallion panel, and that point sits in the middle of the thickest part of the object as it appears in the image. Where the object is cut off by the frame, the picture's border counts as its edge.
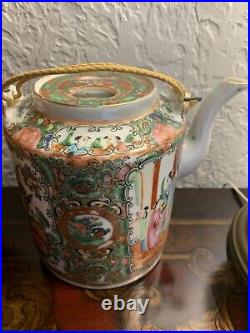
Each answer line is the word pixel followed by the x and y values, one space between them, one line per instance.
pixel 87 228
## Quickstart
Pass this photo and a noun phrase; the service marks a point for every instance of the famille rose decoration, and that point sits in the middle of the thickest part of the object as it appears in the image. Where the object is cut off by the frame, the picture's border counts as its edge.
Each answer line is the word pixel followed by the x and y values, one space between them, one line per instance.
pixel 97 149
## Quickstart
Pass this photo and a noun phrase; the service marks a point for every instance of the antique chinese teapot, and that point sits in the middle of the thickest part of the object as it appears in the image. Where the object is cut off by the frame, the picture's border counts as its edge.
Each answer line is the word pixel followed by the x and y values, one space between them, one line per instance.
pixel 97 151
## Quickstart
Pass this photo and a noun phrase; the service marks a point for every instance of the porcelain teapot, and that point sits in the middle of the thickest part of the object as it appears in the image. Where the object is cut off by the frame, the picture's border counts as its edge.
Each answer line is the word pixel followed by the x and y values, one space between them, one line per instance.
pixel 97 151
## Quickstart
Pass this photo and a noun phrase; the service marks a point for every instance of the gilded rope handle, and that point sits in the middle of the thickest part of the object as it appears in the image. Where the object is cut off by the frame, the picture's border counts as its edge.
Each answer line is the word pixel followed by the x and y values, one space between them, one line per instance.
pixel 19 80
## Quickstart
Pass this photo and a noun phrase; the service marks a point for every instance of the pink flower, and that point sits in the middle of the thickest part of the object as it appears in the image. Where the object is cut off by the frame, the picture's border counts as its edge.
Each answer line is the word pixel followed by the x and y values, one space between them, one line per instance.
pixel 164 134
pixel 28 137
pixel 107 179
pixel 122 173
pixel 154 228
pixel 121 146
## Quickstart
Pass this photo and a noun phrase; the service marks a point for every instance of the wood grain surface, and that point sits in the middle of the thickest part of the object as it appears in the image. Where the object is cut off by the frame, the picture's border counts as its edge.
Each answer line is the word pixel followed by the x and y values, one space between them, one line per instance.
pixel 193 287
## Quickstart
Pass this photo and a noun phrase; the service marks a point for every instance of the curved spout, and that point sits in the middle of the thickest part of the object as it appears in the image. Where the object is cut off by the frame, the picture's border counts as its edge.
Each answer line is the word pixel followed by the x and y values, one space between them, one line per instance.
pixel 197 142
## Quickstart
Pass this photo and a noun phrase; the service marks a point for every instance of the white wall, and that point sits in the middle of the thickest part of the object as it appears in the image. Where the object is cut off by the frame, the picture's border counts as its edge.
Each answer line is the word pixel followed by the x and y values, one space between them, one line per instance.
pixel 198 43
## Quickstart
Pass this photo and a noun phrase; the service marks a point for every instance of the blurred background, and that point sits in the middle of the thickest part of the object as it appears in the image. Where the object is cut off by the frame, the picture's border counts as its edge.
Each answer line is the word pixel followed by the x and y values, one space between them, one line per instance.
pixel 197 43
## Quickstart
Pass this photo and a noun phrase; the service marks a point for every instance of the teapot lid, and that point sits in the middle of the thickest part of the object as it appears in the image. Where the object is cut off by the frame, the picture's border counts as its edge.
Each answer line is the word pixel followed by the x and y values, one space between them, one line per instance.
pixel 107 115
pixel 94 96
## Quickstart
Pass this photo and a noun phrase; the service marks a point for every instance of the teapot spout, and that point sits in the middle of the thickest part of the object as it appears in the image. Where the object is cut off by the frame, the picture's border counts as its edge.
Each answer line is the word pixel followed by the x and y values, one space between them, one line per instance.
pixel 197 142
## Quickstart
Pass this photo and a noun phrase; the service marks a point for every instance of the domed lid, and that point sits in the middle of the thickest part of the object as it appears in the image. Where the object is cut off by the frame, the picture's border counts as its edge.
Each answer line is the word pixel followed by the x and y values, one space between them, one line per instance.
pixel 94 96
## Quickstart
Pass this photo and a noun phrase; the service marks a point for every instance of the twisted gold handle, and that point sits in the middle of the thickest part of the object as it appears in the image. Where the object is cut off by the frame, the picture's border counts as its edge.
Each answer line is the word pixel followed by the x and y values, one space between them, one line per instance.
pixel 20 79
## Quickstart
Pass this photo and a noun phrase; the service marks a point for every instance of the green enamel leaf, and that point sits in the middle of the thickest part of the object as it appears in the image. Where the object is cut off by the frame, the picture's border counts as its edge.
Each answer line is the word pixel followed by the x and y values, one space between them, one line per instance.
pixel 96 143
pixel 129 138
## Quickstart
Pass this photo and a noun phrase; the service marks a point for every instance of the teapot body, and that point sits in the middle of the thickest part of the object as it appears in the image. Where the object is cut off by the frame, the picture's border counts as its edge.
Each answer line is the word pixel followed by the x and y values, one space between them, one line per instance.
pixel 102 225
pixel 99 193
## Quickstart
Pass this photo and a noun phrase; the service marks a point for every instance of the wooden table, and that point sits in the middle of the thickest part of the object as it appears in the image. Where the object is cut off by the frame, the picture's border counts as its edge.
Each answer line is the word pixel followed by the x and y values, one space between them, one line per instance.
pixel 190 289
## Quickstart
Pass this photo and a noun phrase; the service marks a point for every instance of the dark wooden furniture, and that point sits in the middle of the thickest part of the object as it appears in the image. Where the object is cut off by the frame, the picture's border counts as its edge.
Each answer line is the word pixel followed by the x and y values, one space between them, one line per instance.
pixel 193 287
